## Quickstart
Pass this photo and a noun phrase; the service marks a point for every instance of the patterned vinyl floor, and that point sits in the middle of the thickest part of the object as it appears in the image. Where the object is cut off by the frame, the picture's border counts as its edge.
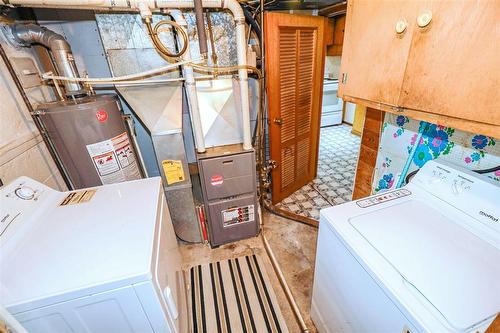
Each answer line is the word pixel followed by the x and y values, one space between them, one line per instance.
pixel 338 155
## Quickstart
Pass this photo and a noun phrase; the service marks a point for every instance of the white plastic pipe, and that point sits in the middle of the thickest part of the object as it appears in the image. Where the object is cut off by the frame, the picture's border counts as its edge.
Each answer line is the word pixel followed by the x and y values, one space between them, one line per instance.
pixel 190 84
pixel 140 75
pixel 145 7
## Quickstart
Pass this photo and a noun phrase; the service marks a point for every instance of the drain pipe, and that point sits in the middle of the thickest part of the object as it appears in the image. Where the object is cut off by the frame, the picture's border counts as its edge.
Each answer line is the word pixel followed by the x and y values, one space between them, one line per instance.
pixel 27 34
pixel 190 85
pixel 145 7
pixel 200 27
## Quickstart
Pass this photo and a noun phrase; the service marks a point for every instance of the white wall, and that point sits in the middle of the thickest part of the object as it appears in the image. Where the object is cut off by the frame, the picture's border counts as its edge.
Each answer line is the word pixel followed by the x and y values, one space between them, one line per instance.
pixel 22 150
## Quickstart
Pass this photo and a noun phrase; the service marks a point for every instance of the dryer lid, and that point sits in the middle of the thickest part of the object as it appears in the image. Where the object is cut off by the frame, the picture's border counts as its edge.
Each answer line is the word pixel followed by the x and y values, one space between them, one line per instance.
pixel 451 267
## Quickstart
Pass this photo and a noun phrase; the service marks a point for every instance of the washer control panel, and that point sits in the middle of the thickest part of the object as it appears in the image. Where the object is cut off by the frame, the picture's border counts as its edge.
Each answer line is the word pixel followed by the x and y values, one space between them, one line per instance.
pixel 25 192
pixel 19 200
pixel 384 197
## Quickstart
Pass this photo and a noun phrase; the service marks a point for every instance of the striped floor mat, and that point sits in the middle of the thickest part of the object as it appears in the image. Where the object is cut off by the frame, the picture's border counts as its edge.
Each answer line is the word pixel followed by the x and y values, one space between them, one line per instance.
pixel 233 295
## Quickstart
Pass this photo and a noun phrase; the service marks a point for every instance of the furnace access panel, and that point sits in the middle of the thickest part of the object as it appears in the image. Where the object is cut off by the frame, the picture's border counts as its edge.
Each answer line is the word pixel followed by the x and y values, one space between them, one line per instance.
pixel 230 193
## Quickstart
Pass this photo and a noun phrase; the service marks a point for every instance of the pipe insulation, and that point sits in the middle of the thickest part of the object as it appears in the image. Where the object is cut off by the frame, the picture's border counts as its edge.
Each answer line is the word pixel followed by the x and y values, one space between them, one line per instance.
pixel 60 49
pixel 145 8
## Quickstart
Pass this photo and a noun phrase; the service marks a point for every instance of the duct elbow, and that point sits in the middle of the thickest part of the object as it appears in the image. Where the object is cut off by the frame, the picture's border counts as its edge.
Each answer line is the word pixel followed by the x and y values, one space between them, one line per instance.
pixel 28 34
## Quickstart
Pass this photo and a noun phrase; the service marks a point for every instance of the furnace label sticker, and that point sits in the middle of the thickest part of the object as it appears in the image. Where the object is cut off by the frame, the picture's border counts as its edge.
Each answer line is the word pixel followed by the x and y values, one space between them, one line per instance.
pixel 114 159
pixel 238 215
pixel 216 180
pixel 174 172
pixel 78 197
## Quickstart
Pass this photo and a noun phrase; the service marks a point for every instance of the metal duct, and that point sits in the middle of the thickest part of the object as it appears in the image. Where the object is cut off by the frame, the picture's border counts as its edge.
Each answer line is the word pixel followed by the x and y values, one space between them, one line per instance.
pixel 60 49
pixel 160 110
pixel 145 7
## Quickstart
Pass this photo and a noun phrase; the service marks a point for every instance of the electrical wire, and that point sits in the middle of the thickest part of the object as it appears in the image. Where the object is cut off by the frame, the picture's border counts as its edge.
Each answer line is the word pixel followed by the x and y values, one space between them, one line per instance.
pixel 481 172
pixel 153 33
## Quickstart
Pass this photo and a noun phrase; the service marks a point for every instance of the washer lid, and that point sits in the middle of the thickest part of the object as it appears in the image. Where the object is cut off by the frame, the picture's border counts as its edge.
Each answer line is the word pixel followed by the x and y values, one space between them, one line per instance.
pixel 454 269
pixel 85 247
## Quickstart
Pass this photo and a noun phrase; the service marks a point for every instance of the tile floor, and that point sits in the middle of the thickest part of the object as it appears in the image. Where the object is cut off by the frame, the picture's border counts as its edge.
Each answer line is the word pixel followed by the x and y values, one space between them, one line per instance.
pixel 338 155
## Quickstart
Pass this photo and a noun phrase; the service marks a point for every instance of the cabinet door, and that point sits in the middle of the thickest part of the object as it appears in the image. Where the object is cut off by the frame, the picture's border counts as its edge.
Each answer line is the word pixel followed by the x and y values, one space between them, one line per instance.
pixel 454 64
pixel 374 54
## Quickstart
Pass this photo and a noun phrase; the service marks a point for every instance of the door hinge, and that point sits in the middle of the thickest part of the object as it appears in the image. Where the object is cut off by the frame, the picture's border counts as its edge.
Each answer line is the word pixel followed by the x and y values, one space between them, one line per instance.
pixel 344 78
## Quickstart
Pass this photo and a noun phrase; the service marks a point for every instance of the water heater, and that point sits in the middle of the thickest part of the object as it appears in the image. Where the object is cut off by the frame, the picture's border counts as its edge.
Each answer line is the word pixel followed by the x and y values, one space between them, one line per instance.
pixel 91 140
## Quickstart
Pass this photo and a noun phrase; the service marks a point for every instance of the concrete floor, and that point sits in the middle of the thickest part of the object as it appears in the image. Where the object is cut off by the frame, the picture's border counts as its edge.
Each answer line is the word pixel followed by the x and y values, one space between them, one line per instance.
pixel 294 245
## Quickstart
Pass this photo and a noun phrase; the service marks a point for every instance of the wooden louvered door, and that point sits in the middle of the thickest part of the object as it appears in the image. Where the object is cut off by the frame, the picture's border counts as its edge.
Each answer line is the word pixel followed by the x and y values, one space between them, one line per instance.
pixel 295 53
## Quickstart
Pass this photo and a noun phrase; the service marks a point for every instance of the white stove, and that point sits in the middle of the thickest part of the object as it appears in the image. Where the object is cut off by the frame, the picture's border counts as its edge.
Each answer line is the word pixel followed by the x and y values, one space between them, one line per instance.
pixel 103 259
pixel 423 258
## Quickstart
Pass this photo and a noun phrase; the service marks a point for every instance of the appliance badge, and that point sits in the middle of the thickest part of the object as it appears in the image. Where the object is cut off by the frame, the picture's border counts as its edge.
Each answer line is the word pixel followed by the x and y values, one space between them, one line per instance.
pixel 216 180
pixel 101 116
pixel 491 217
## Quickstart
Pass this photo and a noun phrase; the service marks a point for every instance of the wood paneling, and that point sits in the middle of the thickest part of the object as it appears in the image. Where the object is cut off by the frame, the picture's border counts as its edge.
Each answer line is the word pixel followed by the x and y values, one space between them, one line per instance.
pixel 368 153
pixel 454 64
pixel 295 55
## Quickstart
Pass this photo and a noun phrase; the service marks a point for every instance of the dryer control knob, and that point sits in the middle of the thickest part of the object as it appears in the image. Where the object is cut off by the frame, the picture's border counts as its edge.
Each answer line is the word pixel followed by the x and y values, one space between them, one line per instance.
pixel 25 193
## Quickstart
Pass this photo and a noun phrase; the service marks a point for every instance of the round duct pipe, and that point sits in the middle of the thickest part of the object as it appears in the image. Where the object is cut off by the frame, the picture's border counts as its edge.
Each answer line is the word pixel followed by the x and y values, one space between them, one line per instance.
pixel 27 34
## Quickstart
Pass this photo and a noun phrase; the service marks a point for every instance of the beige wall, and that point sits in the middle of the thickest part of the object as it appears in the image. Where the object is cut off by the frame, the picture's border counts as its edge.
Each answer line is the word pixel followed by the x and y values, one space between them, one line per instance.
pixel 332 67
pixel 22 150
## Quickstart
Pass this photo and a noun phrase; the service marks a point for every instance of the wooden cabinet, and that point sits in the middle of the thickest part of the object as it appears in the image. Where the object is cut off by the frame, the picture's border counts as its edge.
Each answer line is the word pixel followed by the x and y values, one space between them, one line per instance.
pixel 336 28
pixel 374 56
pixel 446 72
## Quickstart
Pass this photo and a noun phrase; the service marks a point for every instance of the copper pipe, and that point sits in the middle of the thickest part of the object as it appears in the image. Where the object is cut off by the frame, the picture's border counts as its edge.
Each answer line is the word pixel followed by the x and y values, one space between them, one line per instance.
pixel 153 33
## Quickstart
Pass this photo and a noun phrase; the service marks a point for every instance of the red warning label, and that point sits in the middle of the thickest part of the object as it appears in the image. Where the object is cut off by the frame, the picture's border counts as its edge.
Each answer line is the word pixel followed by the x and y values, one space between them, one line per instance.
pixel 216 180
pixel 101 115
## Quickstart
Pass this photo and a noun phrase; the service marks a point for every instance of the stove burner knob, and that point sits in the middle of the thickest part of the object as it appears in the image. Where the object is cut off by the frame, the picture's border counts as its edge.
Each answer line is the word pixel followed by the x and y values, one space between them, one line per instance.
pixel 25 193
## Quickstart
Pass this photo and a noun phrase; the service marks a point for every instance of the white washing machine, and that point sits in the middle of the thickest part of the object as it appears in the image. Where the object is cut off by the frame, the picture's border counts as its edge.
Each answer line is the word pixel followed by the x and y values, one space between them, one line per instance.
pixel 97 260
pixel 423 258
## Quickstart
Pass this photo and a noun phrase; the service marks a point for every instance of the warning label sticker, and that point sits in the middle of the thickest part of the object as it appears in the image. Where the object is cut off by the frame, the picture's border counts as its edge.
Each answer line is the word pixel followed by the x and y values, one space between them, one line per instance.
pixel 114 159
pixel 78 197
pixel 238 215
pixel 174 172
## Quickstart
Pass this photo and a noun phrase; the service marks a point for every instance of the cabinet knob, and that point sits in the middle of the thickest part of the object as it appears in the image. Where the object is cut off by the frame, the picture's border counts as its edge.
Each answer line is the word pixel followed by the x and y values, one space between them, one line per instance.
pixel 278 121
pixel 401 26
pixel 424 18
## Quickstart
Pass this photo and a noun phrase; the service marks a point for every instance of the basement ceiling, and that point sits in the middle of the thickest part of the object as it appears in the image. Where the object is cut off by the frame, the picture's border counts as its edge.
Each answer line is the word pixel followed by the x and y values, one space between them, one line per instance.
pixel 300 4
